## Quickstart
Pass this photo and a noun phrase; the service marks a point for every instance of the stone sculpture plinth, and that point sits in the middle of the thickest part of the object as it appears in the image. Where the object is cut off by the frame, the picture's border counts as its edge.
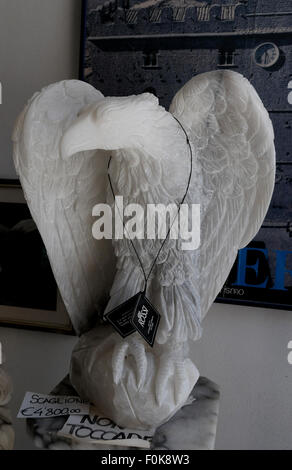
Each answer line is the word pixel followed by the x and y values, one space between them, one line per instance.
pixel 193 427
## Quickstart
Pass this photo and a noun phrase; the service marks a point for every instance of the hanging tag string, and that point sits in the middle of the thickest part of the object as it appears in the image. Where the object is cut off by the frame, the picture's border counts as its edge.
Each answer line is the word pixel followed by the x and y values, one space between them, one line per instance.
pixel 146 277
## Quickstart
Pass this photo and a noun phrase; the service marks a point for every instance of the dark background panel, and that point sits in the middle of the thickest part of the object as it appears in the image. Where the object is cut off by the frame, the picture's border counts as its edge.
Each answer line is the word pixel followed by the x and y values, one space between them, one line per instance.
pixel 136 46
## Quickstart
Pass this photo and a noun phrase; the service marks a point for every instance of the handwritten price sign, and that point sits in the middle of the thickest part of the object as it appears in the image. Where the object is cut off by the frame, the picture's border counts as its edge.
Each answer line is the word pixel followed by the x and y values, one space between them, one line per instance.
pixel 36 405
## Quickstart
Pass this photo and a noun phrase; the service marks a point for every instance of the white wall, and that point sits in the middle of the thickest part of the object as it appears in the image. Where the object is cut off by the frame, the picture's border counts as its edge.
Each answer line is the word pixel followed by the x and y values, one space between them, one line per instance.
pixel 242 349
pixel 39 45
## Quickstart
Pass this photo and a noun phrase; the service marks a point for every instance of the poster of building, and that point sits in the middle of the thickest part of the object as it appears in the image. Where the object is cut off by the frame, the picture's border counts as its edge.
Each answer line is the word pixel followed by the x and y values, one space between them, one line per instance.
pixel 133 46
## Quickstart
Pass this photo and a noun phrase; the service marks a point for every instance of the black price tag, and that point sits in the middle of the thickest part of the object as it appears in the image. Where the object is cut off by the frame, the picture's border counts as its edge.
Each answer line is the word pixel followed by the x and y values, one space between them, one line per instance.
pixel 121 316
pixel 146 319
pixel 136 314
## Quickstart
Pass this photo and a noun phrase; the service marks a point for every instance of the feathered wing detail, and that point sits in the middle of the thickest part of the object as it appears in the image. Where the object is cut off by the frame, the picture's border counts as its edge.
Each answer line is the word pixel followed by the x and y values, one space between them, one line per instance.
pixel 233 179
pixel 61 195
pixel 233 139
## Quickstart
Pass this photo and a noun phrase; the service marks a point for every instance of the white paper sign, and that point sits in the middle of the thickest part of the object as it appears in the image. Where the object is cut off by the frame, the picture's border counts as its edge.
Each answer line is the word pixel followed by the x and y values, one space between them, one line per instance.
pixel 96 429
pixel 37 405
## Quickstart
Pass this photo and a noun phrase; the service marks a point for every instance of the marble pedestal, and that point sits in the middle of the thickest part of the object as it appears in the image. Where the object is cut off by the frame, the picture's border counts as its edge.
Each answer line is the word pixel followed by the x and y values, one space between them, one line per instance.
pixel 193 427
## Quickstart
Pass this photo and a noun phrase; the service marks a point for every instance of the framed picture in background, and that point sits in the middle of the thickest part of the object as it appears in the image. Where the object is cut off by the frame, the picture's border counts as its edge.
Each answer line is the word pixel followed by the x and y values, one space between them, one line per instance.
pixel 28 292
pixel 134 46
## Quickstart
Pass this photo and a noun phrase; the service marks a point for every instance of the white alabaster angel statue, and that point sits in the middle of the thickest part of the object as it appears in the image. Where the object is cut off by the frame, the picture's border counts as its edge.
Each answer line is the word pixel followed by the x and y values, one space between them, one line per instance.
pixel 63 141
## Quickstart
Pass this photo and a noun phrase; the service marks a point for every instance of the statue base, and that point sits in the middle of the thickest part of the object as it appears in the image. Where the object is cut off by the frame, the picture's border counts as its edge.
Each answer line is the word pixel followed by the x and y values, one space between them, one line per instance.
pixel 193 427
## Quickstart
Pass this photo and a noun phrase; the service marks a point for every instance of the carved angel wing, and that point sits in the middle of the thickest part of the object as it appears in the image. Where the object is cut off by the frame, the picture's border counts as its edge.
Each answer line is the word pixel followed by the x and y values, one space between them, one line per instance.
pixel 61 195
pixel 233 139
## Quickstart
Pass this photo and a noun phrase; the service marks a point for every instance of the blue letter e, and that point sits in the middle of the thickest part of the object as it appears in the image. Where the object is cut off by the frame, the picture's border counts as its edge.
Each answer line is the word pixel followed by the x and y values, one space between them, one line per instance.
pixel 243 266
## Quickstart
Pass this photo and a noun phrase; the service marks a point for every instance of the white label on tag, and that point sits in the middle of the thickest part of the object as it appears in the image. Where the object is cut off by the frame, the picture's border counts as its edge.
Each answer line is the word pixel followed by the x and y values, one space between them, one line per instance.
pixel 96 429
pixel 37 405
